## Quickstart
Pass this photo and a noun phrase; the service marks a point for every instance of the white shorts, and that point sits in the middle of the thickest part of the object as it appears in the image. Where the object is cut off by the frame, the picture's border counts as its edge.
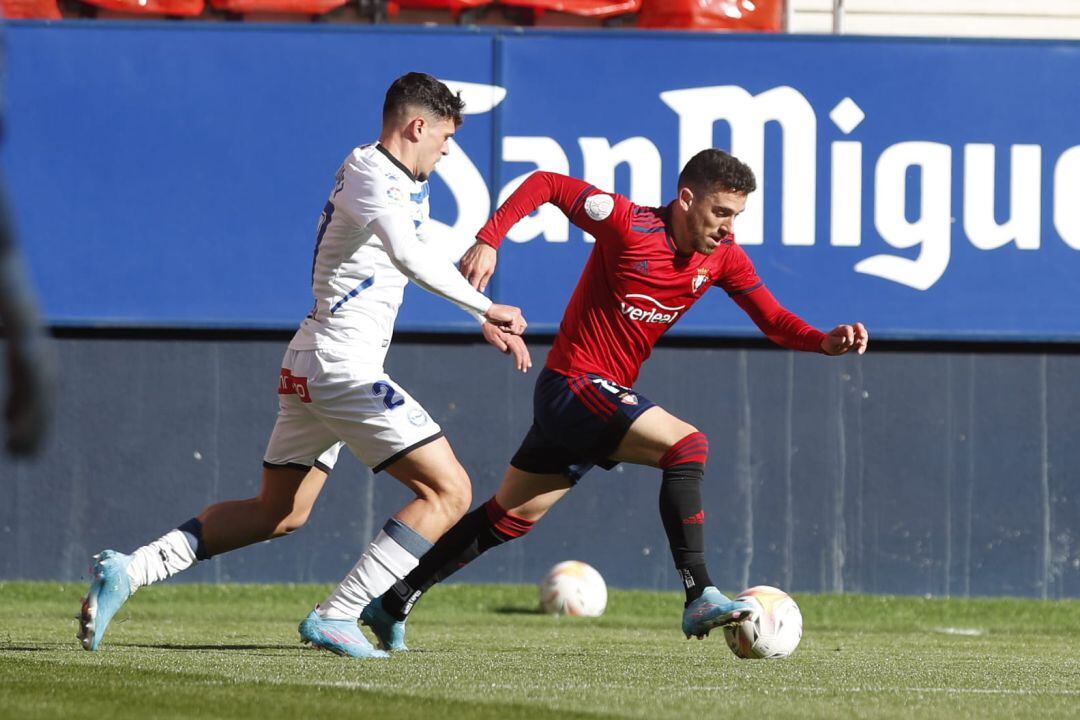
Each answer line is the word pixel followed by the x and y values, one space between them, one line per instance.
pixel 326 399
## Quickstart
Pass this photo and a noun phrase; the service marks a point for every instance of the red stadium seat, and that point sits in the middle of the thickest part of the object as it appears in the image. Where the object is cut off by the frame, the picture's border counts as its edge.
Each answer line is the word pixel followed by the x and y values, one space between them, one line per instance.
pixel 187 8
pixel 749 15
pixel 599 9
pixel 30 10
pixel 298 7
pixel 456 7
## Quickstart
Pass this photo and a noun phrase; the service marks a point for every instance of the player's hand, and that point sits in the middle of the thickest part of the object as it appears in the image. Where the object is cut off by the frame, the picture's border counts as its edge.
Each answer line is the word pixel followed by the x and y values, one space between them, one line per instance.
pixel 511 345
pixel 844 338
pixel 507 318
pixel 478 264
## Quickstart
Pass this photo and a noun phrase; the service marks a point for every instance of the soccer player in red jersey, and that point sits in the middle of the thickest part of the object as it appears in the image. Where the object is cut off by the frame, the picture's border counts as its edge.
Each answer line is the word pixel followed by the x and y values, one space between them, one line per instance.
pixel 649 265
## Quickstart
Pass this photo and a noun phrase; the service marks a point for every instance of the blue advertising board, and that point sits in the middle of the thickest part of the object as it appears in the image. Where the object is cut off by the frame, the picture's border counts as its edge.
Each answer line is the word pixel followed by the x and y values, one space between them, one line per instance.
pixel 170 175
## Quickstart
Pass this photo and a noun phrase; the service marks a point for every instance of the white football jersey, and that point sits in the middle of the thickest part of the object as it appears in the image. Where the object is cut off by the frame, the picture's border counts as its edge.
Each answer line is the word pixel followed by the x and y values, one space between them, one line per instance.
pixel 357 284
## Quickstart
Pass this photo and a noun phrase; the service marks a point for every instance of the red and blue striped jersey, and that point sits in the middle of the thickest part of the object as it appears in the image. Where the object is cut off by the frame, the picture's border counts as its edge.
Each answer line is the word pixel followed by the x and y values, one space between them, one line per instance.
pixel 636 285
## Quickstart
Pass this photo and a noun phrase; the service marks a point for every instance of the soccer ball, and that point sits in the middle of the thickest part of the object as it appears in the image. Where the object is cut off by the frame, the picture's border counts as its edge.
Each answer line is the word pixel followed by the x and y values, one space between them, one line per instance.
pixel 774 632
pixel 573 588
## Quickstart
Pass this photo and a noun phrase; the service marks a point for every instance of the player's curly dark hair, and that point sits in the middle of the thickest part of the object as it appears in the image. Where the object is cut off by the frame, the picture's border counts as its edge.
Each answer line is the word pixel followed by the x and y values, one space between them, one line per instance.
pixel 711 170
pixel 423 91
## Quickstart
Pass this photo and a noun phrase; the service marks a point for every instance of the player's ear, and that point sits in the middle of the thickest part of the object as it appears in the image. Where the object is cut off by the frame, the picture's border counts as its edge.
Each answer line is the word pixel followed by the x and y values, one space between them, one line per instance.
pixel 686 197
pixel 416 128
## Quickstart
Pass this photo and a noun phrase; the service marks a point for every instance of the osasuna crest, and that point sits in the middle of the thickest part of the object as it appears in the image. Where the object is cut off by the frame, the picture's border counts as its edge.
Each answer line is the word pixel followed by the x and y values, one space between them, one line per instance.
pixel 700 280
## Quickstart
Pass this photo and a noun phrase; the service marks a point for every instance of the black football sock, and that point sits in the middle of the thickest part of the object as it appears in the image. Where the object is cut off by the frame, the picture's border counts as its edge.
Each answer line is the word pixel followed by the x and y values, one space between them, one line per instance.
pixel 480 530
pixel 684 522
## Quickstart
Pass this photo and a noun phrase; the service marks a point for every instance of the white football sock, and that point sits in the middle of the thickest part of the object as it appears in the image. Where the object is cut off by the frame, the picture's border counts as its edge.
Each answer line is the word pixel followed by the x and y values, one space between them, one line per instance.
pixel 394 552
pixel 161 559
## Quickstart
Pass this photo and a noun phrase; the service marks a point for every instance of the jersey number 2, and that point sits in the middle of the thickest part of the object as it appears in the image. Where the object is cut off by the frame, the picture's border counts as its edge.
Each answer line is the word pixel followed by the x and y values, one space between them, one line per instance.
pixel 391 400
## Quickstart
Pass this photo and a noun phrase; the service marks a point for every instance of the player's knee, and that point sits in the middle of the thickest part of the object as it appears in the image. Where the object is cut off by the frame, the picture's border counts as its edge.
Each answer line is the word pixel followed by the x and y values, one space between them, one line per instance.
pixel 691 448
pixel 457 494
pixel 449 496
pixel 291 523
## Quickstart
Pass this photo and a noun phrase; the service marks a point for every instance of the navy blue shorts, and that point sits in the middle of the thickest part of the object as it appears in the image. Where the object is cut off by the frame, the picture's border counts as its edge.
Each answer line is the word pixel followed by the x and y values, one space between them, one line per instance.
pixel 578 422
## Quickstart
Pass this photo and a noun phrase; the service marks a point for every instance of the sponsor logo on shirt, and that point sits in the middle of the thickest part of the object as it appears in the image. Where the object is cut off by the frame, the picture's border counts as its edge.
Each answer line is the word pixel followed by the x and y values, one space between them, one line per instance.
pixel 654 312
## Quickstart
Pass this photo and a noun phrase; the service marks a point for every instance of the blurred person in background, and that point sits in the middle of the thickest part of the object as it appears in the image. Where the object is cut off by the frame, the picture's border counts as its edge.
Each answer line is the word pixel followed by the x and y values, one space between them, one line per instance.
pixel 28 402
pixel 29 363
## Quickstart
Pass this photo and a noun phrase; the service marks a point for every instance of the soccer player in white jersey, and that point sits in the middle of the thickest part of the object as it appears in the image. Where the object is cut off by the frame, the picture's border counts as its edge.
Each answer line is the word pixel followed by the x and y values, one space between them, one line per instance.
pixel 333 389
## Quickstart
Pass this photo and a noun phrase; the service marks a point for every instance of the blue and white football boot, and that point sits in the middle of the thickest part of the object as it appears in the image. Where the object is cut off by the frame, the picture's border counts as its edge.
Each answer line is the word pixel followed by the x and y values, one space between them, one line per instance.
pixel 713 609
pixel 390 631
pixel 109 590
pixel 341 637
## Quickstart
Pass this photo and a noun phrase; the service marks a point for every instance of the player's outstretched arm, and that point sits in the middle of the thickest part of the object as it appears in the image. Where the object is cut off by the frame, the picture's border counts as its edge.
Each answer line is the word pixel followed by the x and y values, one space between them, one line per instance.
pixel 430 270
pixel 478 264
pixel 844 338
pixel 511 345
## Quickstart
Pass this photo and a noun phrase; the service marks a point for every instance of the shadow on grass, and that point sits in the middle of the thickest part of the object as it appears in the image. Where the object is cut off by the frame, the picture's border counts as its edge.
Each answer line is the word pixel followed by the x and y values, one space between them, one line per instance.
pixel 511 610
pixel 175 646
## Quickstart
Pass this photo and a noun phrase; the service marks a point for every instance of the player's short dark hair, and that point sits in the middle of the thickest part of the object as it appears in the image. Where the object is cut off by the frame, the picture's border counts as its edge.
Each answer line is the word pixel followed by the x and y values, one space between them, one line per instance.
pixel 714 170
pixel 425 92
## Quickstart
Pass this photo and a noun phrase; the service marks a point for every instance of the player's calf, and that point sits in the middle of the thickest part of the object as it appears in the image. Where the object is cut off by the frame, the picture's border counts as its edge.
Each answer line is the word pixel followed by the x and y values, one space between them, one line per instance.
pixel 682 512
pixel 485 527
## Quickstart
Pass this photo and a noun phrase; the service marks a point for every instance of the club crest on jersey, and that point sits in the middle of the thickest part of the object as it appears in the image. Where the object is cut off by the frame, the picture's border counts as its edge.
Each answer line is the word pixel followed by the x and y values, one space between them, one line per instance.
pixel 700 279
pixel 628 399
pixel 642 266
pixel 598 207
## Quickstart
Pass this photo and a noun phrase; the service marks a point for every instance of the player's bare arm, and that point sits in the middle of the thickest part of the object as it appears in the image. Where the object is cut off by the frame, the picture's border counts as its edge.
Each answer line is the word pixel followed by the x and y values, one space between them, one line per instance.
pixel 844 338
pixel 508 344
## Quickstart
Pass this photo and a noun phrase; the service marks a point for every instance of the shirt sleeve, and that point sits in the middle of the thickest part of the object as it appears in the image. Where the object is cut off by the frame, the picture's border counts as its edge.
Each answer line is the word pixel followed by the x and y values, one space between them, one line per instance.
pixel 742 283
pixel 601 214
pixel 429 269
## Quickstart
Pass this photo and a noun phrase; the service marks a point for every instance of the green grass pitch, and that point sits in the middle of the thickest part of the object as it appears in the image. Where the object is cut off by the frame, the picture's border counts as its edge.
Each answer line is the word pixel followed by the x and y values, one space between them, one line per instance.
pixel 231 651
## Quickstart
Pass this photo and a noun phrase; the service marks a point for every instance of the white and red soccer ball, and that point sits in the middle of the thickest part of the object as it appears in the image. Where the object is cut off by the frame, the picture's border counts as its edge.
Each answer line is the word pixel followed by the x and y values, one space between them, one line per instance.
pixel 774 632
pixel 573 588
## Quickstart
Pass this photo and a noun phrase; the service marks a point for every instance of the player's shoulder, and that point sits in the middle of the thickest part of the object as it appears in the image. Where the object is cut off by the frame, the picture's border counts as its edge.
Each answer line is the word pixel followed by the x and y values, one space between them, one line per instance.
pixel 600 205
pixel 373 173
pixel 648 220
pixel 367 162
